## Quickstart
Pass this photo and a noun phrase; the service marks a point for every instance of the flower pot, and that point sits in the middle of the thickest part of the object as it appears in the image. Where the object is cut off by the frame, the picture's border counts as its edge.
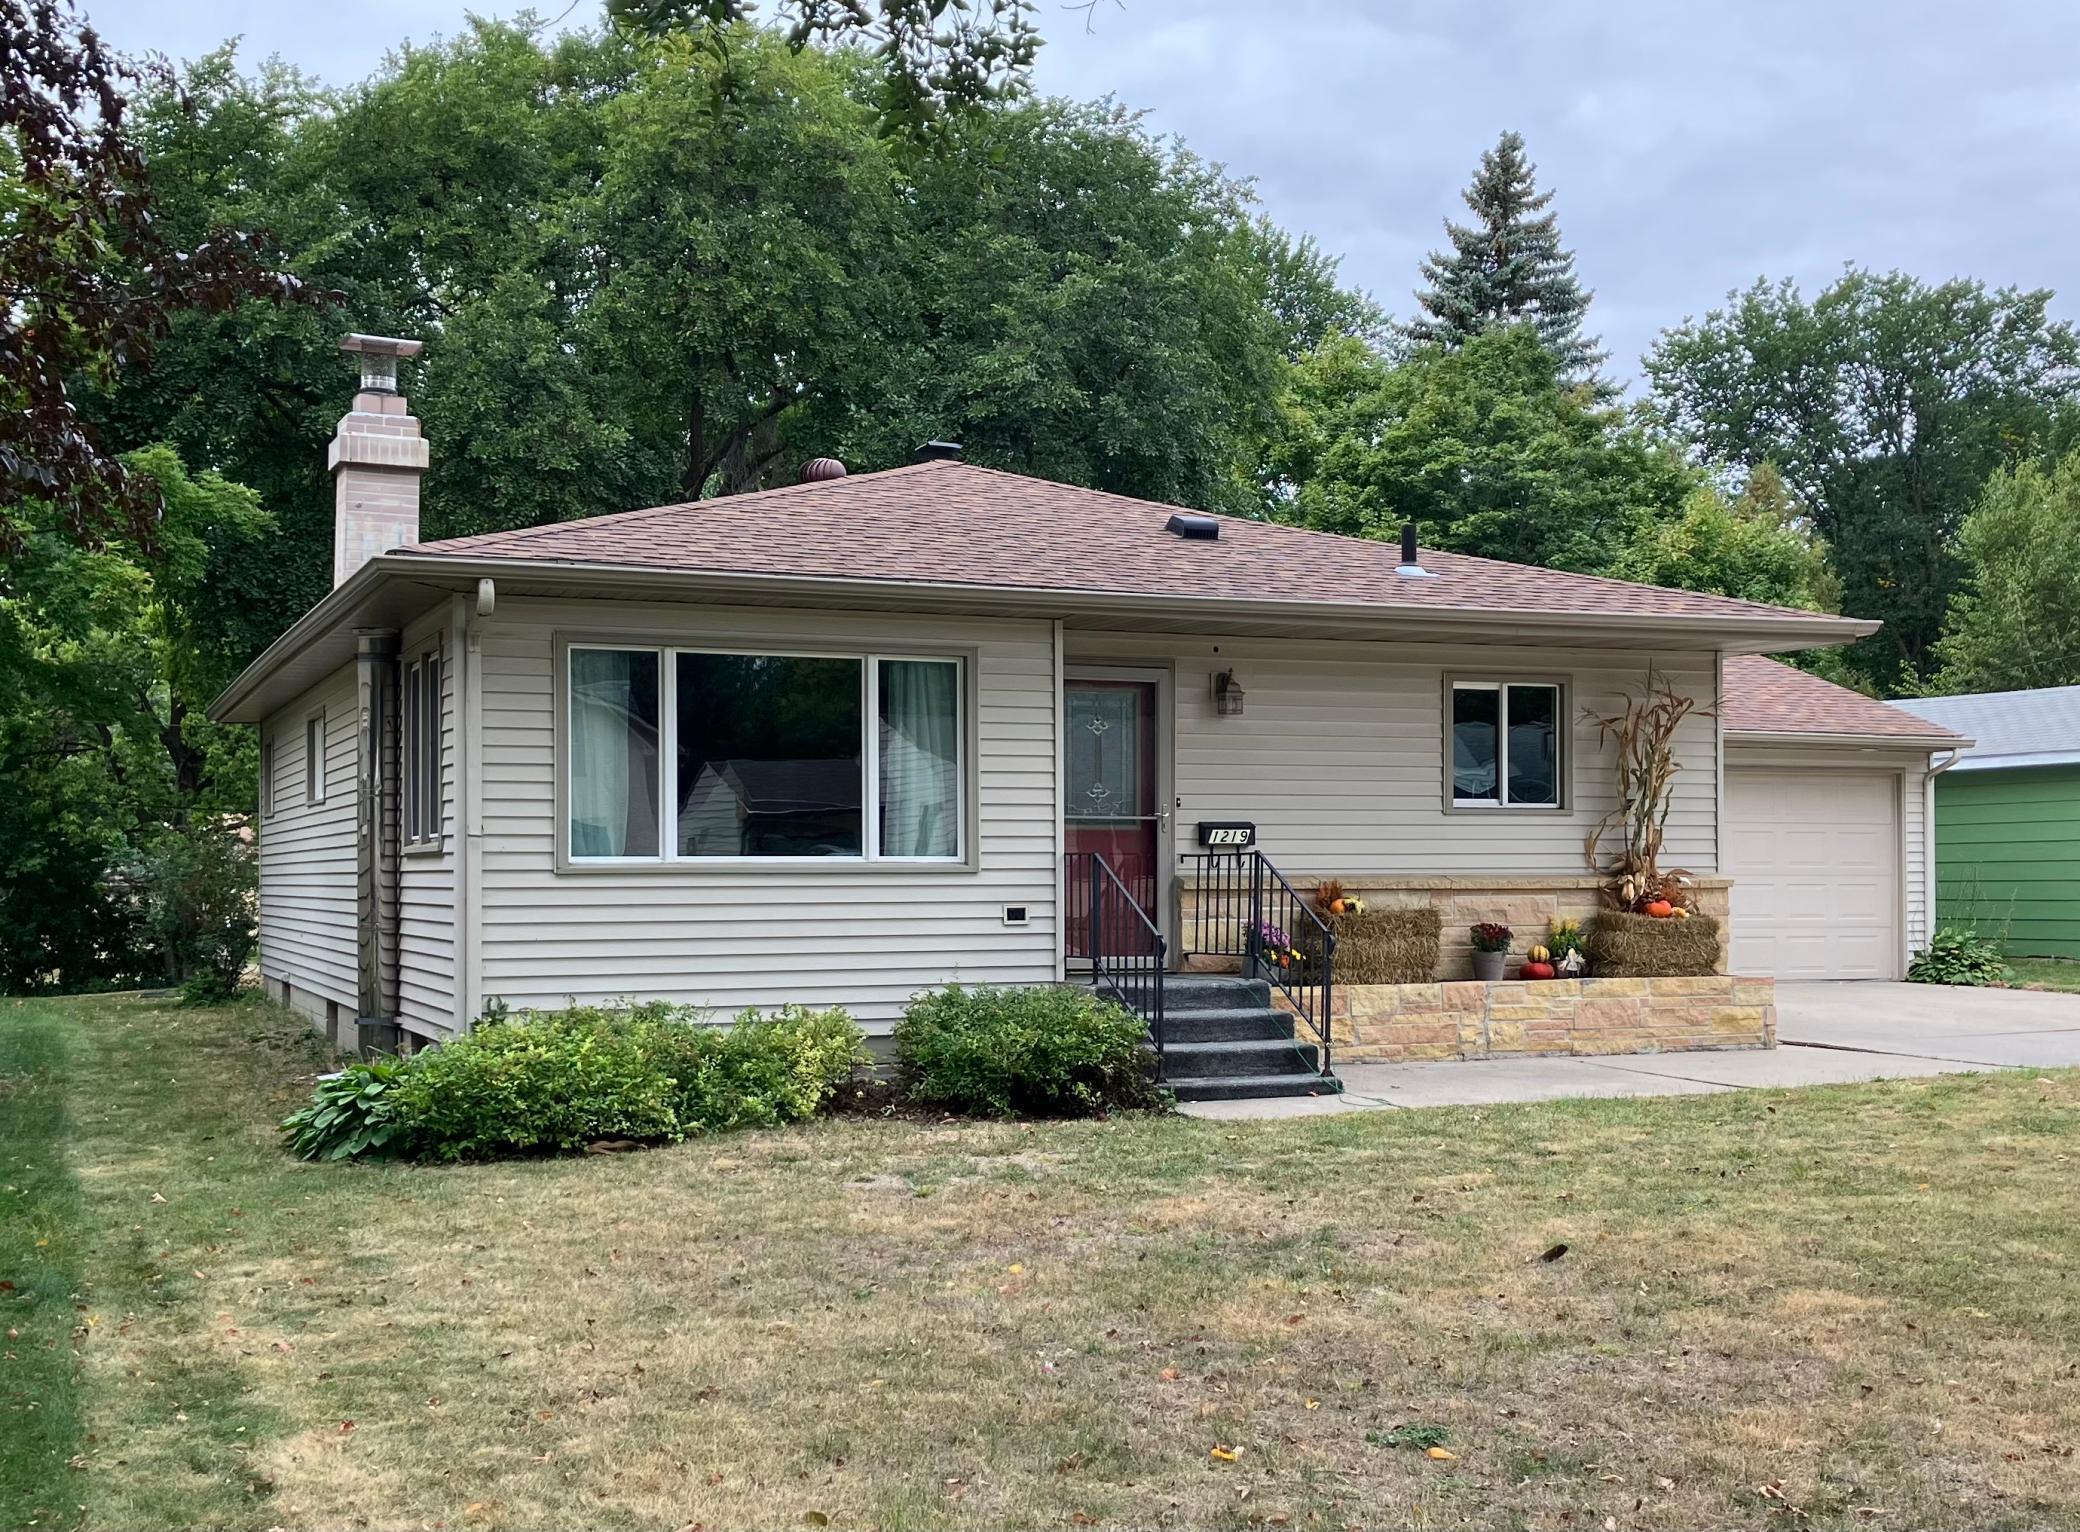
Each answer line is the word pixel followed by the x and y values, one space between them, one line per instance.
pixel 1487 966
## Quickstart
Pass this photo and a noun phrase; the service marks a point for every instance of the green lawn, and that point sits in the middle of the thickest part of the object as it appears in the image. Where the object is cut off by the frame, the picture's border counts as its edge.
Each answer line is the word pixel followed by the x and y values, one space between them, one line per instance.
pixel 1849 1307
pixel 2046 973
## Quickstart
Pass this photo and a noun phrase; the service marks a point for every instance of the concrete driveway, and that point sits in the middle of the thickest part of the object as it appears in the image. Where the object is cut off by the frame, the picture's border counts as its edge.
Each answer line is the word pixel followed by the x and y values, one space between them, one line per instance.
pixel 2011 1028
pixel 1827 1034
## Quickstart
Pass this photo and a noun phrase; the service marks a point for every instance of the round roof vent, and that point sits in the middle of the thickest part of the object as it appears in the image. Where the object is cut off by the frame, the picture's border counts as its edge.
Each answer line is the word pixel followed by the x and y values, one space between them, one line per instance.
pixel 818 469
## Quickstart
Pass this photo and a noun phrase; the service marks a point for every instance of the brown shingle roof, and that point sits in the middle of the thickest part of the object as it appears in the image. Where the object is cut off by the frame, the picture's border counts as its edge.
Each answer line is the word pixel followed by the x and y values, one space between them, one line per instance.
pixel 954 523
pixel 1764 696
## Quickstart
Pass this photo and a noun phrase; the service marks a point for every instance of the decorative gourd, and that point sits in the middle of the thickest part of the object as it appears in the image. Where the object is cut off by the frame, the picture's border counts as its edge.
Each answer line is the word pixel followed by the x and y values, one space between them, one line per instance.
pixel 1339 906
pixel 1681 913
pixel 1539 955
pixel 1661 909
pixel 1540 970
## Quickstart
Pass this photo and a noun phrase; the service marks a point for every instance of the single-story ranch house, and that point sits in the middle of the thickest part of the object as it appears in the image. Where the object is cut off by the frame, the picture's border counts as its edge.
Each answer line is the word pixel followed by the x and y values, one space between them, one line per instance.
pixel 842 741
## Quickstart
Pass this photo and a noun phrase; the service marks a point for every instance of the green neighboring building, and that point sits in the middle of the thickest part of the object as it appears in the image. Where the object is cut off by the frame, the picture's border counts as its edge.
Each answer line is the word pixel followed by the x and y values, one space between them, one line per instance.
pixel 2008 818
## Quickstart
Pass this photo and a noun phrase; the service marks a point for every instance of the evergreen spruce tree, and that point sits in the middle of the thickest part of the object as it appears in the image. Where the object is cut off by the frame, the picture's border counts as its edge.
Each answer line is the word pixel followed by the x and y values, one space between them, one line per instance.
pixel 1507 267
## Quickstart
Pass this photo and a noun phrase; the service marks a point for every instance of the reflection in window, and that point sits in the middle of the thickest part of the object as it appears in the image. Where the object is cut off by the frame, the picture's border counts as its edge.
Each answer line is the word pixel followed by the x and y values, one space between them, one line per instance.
pixel 1505 742
pixel 769 755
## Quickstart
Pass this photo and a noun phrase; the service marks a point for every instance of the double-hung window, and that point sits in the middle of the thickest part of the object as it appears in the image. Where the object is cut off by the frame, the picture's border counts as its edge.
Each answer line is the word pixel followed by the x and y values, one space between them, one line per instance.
pixel 724 755
pixel 420 709
pixel 1507 749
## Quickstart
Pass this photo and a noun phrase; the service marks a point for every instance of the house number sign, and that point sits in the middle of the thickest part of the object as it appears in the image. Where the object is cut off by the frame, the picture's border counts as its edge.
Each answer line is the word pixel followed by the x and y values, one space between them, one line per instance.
pixel 1227 834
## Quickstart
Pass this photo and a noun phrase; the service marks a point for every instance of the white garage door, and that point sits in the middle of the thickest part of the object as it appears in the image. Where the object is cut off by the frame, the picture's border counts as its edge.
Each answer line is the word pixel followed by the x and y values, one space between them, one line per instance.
pixel 1814 858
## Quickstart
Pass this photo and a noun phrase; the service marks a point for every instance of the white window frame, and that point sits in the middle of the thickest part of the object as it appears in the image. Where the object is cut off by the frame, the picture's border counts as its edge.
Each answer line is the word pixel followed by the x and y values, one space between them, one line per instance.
pixel 423 713
pixel 1562 757
pixel 314 759
pixel 869 661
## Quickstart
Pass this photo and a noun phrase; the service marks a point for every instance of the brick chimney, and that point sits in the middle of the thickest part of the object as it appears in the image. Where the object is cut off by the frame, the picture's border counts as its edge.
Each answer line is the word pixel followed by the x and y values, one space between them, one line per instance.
pixel 376 458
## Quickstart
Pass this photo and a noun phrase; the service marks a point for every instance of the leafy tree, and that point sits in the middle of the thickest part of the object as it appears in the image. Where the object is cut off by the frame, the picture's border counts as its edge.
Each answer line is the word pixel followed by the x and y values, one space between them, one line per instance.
pixel 1084 303
pixel 2015 624
pixel 1507 267
pixel 106 655
pixel 1885 403
pixel 934 54
pixel 1486 448
pixel 89 280
pixel 1753 546
pixel 740 227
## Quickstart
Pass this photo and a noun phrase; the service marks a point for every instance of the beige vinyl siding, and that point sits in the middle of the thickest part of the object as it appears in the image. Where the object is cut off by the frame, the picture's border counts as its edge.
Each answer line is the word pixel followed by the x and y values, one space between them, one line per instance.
pixel 861 935
pixel 307 933
pixel 426 880
pixel 1913 818
pixel 1339 756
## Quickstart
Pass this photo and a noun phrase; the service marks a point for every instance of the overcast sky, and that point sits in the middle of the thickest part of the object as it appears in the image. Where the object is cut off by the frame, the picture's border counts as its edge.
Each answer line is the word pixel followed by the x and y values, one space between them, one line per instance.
pixel 1693 146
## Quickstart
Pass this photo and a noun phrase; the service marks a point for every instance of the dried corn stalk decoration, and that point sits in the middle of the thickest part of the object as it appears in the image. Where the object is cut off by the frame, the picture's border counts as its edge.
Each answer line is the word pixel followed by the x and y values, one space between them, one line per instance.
pixel 1644 733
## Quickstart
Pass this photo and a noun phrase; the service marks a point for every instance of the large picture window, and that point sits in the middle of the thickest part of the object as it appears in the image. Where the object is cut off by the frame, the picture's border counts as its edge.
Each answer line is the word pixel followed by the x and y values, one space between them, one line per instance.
pixel 1505 744
pixel 707 755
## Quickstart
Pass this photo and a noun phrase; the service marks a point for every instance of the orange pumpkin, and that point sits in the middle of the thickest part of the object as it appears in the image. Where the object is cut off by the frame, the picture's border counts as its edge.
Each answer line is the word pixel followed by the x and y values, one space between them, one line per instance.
pixel 1338 906
pixel 1661 909
pixel 1540 971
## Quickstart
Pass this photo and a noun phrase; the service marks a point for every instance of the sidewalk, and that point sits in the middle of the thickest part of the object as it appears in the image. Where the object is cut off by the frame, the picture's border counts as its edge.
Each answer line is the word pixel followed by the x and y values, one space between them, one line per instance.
pixel 1484 1082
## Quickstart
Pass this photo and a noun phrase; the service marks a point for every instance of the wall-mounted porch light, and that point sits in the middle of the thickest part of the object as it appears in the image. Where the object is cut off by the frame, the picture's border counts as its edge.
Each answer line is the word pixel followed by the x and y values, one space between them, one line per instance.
pixel 1227 695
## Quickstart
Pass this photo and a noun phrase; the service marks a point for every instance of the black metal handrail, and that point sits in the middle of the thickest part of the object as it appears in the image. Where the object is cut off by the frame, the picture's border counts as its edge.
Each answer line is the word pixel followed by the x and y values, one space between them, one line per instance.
pixel 1246 909
pixel 1128 952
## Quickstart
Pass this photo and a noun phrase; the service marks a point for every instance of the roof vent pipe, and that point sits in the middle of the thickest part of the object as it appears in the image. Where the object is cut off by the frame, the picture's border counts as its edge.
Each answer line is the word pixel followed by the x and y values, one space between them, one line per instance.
pixel 1194 528
pixel 1409 568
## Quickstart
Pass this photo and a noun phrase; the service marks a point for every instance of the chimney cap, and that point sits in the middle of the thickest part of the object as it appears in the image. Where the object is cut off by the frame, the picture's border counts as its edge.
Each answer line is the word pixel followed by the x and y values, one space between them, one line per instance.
pixel 380 345
pixel 939 452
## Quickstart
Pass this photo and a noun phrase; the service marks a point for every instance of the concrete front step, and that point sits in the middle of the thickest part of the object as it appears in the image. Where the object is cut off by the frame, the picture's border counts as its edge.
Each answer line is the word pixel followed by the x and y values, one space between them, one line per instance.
pixel 1251 1087
pixel 1255 1057
pixel 1209 991
pixel 1211 1026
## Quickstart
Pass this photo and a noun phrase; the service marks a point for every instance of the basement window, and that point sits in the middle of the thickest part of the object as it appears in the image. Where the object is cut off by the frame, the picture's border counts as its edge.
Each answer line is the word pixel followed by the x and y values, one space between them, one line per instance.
pixel 1506 744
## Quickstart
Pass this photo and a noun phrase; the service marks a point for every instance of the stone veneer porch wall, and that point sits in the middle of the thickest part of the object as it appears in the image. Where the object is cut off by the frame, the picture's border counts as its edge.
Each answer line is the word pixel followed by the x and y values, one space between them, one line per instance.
pixel 1528 906
pixel 1467 1019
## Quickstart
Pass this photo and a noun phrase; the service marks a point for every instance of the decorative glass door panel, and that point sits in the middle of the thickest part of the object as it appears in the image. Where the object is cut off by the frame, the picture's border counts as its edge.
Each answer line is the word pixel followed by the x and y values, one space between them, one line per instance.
pixel 1111 801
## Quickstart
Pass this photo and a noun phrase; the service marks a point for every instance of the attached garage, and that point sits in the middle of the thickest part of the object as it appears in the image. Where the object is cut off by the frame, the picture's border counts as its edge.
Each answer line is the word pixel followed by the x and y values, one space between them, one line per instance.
pixel 1825 825
pixel 1815 860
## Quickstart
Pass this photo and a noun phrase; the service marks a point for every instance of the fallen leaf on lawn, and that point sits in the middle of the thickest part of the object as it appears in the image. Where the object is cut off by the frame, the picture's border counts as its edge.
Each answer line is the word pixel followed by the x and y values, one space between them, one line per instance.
pixel 1553 1254
pixel 1661 1483
pixel 1314 1404
pixel 1016 1268
pixel 157 1198
pixel 1294 1319
pixel 1081 1520
pixel 1168 1374
pixel 815 1519
pixel 1224 1454
pixel 1441 1455
pixel 345 1426
pixel 1610 1524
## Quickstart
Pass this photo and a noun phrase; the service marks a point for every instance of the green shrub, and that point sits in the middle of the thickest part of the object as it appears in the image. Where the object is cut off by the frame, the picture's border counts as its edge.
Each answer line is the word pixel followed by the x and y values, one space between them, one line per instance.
pixel 1047 1051
pixel 351 1113
pixel 1959 957
pixel 198 889
pixel 554 1080
pixel 763 1071
pixel 558 1080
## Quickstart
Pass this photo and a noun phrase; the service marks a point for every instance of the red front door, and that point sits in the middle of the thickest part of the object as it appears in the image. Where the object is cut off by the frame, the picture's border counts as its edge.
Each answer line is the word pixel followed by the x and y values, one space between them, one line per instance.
pixel 1110 799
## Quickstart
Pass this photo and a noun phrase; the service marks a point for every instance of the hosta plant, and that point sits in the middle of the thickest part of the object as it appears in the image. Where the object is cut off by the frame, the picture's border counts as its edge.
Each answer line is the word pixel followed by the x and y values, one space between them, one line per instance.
pixel 1959 957
pixel 351 1113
